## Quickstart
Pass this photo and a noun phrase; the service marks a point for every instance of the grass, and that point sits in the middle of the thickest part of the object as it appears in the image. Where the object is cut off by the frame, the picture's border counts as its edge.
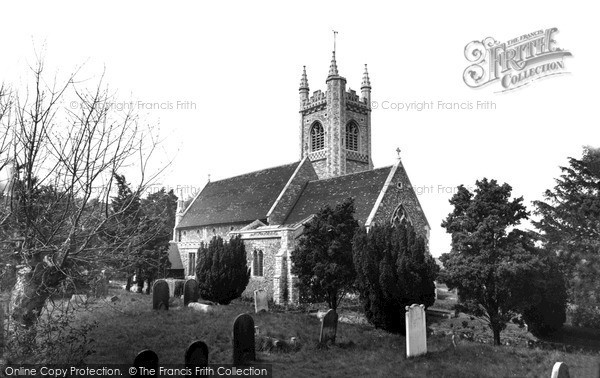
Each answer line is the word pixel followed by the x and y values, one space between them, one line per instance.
pixel 130 325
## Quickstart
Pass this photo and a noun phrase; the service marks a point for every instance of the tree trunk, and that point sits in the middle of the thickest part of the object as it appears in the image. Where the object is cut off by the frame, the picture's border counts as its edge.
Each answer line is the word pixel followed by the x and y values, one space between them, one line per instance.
pixel 31 289
pixel 129 281
pixel 27 300
pixel 140 281
pixel 496 336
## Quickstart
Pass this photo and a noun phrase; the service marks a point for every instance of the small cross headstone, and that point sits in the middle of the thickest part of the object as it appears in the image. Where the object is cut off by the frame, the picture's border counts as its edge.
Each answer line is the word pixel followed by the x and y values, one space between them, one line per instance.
pixel 146 359
pixel 560 370
pixel 416 331
pixel 260 301
pixel 191 292
pixel 243 340
pixel 196 355
pixel 160 295
pixel 329 327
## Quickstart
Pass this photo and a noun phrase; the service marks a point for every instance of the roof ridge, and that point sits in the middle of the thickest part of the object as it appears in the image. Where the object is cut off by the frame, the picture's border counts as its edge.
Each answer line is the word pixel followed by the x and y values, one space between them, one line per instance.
pixel 351 174
pixel 255 171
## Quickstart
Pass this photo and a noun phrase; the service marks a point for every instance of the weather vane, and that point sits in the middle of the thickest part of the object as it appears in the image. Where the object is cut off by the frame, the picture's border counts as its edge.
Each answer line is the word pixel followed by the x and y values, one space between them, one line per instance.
pixel 334 35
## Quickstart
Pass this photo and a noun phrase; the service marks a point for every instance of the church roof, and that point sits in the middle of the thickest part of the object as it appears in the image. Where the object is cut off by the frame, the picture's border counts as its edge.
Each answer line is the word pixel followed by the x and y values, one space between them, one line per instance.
pixel 238 199
pixel 364 187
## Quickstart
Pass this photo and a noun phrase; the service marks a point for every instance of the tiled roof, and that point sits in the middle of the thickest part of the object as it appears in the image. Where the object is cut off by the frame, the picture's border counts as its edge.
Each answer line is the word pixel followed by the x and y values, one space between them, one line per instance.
pixel 364 187
pixel 238 199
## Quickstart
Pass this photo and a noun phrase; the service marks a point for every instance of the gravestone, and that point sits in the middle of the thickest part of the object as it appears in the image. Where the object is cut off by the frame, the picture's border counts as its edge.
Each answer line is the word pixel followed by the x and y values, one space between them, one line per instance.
pixel 200 307
pixel 416 331
pixel 160 295
pixel 196 355
pixel 191 293
pixel 560 370
pixel 147 359
pixel 243 340
pixel 329 327
pixel 260 301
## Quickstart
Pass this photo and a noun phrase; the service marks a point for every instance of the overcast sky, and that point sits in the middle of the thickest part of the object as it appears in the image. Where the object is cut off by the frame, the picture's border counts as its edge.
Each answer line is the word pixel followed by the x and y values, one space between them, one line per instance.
pixel 234 68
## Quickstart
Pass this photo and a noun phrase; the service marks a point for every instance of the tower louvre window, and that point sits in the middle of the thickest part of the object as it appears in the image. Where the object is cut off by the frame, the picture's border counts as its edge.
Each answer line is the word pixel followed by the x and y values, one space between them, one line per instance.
pixel 352 136
pixel 317 137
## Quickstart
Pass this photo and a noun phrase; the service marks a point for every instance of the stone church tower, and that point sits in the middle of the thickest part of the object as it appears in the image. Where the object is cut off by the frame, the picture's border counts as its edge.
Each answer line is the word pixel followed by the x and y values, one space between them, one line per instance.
pixel 335 126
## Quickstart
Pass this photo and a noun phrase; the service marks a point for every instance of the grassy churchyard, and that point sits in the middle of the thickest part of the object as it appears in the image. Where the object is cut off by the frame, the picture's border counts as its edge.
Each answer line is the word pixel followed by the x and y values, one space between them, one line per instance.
pixel 128 325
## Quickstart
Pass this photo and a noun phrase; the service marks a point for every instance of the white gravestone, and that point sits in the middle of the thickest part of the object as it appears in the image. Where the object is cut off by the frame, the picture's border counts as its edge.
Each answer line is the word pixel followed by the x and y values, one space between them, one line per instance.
pixel 260 301
pixel 416 333
pixel 560 370
pixel 200 307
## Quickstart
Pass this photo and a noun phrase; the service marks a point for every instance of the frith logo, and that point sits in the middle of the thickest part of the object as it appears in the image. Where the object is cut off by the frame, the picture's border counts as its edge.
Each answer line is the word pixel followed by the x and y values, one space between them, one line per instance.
pixel 515 63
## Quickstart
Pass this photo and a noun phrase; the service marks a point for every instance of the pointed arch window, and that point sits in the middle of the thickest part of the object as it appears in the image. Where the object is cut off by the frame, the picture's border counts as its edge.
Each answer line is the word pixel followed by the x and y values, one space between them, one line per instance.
pixel 257 263
pixel 352 136
pixel 400 215
pixel 317 137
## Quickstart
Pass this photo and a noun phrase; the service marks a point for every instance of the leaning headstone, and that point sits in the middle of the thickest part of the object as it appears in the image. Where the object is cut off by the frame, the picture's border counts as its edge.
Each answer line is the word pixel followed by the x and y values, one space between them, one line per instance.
pixel 329 327
pixel 143 362
pixel 560 370
pixel 243 340
pixel 260 301
pixel 191 292
pixel 196 355
pixel 160 295
pixel 416 331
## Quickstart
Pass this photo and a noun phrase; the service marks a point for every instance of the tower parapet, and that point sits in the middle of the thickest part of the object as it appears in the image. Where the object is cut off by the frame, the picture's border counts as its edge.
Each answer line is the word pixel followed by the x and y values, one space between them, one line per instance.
pixel 335 125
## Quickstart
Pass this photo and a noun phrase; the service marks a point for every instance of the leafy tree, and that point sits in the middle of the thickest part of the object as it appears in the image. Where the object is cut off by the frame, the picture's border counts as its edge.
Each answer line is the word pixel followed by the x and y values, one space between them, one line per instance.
pixel 394 270
pixel 322 260
pixel 142 228
pixel 159 219
pixel 497 269
pixel 123 230
pixel 222 270
pixel 570 227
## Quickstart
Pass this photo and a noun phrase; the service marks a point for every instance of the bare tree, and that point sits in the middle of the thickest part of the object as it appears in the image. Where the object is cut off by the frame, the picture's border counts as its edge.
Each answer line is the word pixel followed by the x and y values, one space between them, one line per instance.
pixel 63 159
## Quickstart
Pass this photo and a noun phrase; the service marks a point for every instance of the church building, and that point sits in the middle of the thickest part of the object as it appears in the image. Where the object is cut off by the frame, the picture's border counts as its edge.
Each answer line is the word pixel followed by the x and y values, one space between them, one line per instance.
pixel 268 208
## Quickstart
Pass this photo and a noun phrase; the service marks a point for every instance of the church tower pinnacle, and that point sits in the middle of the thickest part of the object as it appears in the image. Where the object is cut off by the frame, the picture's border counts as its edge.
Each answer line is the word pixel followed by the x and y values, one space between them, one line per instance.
pixel 303 87
pixel 365 87
pixel 335 125
pixel 333 70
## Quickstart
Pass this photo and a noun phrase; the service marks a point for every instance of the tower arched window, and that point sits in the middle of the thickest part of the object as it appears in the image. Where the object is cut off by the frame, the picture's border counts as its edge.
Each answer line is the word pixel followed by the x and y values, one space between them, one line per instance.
pixel 257 263
pixel 352 136
pixel 317 137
